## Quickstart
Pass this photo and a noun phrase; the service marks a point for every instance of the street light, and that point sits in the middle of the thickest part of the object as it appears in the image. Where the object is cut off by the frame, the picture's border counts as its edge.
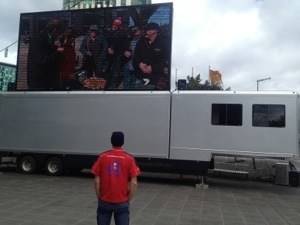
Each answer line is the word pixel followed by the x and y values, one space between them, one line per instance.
pixel 261 80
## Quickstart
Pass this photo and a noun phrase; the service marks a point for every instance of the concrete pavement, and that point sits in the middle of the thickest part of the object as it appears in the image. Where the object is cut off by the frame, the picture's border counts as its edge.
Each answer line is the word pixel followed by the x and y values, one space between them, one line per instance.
pixel 43 200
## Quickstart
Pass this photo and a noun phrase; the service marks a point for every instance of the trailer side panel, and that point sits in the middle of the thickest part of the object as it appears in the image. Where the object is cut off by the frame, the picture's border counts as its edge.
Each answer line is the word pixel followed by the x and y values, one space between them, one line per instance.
pixel 81 123
pixel 195 137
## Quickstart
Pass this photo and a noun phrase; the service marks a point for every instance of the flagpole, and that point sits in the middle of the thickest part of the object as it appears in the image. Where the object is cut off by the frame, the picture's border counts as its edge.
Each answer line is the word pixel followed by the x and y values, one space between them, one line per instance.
pixel 209 78
pixel 176 83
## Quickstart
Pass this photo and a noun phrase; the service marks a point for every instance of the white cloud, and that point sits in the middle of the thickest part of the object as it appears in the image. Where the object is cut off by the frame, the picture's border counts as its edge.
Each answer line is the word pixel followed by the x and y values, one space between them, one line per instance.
pixel 9 21
pixel 245 40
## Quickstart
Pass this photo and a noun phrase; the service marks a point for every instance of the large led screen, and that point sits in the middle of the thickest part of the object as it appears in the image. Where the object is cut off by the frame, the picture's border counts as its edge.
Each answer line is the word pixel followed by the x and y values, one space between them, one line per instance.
pixel 120 48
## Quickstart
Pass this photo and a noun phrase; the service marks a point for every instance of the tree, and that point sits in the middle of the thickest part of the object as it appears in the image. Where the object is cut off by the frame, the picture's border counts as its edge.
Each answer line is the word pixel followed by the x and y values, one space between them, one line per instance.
pixel 194 83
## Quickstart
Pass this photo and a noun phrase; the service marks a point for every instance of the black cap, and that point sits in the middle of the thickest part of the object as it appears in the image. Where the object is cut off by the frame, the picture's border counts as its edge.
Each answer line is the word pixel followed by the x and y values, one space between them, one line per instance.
pixel 117 139
pixel 152 26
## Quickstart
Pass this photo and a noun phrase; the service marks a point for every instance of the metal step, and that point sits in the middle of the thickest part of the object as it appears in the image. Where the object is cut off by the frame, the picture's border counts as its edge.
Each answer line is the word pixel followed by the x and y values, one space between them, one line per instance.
pixel 231 173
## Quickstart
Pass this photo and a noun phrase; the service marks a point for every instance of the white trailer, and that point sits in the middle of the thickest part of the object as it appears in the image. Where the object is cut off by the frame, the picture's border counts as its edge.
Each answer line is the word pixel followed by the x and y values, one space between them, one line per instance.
pixel 166 132
pixel 237 123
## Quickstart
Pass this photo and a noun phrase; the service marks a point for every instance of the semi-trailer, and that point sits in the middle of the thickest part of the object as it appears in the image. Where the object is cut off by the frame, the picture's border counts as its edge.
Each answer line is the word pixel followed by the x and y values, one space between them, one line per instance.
pixel 178 131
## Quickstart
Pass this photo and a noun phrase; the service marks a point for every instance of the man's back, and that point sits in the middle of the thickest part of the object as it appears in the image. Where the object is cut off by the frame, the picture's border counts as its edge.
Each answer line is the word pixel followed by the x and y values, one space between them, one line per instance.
pixel 115 169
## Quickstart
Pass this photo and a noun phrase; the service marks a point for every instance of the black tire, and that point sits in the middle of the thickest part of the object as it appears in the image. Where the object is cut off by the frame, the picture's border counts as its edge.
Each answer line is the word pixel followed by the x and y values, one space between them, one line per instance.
pixel 27 164
pixel 54 166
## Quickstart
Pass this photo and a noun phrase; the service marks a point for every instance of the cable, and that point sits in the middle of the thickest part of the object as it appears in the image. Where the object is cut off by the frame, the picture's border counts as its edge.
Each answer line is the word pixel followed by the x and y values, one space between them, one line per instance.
pixel 9 46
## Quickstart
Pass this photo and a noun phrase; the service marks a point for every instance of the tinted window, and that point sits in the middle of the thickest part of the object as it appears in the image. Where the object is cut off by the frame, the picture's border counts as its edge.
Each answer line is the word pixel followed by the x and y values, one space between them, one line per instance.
pixel 227 114
pixel 268 115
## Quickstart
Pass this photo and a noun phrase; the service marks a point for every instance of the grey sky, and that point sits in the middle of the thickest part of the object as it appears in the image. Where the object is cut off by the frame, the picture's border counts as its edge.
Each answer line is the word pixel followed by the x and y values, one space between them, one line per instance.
pixel 245 40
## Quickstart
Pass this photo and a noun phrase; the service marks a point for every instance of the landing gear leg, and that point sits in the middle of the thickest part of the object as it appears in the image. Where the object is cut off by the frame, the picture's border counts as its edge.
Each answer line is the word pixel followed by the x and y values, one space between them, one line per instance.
pixel 202 184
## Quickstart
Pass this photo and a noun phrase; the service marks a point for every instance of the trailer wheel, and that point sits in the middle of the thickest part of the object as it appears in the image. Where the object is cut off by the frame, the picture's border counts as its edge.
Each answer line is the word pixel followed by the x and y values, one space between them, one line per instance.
pixel 27 164
pixel 54 166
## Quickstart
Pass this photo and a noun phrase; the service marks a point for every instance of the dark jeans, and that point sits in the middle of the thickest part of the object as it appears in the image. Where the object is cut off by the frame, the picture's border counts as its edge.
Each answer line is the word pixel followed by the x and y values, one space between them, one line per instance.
pixel 114 73
pixel 93 66
pixel 105 211
pixel 129 79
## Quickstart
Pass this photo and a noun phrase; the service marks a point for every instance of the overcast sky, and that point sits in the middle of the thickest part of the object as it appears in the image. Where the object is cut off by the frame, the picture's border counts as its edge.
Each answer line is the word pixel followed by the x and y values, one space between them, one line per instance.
pixel 245 40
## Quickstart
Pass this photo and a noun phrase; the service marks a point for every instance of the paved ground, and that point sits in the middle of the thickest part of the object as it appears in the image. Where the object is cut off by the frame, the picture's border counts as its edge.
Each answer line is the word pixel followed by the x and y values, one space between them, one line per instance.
pixel 43 200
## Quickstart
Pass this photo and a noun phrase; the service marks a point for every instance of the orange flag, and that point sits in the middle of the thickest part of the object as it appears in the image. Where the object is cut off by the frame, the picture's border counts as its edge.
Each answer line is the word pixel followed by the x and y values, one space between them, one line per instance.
pixel 215 77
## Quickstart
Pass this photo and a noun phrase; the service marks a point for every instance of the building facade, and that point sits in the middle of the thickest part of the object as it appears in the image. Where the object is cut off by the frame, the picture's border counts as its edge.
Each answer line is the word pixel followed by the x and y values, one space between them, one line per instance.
pixel 86 4
pixel 7 76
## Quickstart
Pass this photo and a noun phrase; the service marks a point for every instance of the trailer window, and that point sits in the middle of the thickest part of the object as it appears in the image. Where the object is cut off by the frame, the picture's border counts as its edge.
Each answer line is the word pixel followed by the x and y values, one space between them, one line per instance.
pixel 227 114
pixel 268 115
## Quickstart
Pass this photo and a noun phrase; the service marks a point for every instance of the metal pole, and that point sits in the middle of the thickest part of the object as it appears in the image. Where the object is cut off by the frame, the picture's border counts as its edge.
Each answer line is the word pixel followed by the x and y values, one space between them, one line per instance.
pixel 176 83
pixel 261 80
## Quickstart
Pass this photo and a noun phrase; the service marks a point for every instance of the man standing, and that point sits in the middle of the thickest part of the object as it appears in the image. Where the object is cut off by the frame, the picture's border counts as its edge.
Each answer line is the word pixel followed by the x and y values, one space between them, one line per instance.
pixel 93 49
pixel 45 56
pixel 117 42
pixel 151 58
pixel 129 79
pixel 115 182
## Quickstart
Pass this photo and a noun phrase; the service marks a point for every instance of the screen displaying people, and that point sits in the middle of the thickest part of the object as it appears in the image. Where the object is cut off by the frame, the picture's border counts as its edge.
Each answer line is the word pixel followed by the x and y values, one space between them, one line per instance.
pixel 123 48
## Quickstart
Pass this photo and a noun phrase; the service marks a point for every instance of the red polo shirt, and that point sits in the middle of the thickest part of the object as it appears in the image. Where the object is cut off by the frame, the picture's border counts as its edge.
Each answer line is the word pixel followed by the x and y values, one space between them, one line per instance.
pixel 115 169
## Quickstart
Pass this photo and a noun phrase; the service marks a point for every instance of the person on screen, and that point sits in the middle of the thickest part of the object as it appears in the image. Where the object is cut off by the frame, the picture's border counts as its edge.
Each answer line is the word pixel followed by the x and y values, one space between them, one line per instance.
pixel 68 60
pixel 93 49
pixel 129 73
pixel 117 43
pixel 44 58
pixel 151 59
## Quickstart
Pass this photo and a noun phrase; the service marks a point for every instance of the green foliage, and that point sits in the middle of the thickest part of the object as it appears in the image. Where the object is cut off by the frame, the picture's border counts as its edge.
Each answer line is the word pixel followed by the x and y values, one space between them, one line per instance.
pixel 194 83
